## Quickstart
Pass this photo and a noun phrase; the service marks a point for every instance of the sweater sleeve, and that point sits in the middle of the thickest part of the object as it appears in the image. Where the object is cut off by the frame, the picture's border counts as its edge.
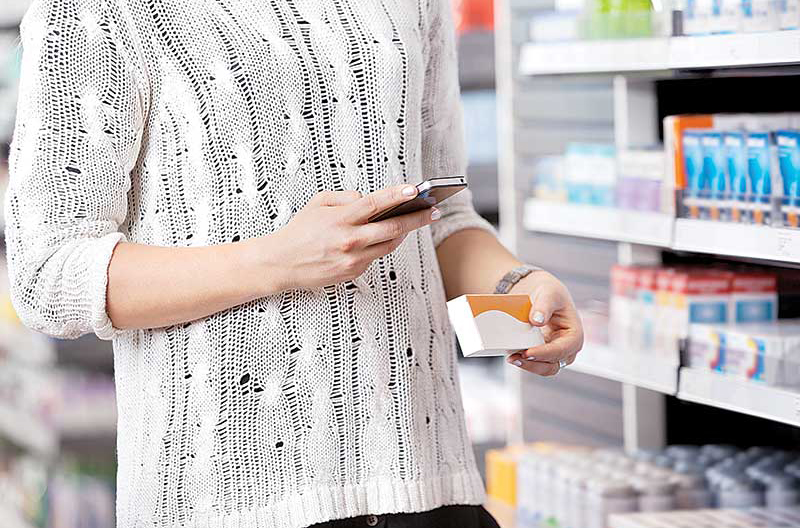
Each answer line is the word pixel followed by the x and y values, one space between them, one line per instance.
pixel 78 131
pixel 443 149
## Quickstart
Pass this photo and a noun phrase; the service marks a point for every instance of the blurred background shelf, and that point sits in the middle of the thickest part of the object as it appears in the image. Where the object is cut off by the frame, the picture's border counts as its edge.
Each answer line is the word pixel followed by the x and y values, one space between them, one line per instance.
pixel 640 370
pixel 606 223
pixel 661 53
pixel 12 519
pixel 709 388
pixel 26 431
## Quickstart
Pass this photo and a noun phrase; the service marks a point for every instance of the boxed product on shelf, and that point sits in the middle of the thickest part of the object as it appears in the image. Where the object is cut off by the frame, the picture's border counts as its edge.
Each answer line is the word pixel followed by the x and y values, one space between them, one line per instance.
pixel 764 176
pixel 766 353
pixel 622 307
pixel 707 17
pixel 788 142
pixel 735 145
pixel 754 297
pixel 548 179
pixel 639 181
pixel 590 173
pixel 789 14
pixel 651 308
pixel 726 166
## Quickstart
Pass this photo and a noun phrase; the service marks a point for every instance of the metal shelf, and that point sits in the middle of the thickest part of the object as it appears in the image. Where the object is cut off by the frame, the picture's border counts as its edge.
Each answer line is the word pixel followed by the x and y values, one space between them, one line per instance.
pixel 658 374
pixel 717 390
pixel 607 223
pixel 662 230
pixel 662 53
pixel 694 385
pixel 738 240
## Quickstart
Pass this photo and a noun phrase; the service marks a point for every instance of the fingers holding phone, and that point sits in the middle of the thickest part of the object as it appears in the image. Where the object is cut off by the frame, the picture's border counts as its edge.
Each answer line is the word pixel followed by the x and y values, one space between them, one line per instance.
pixel 331 239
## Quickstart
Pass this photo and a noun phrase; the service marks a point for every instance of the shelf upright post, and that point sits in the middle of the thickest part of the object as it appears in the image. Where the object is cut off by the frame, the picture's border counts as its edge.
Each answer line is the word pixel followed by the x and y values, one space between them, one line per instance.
pixel 635 112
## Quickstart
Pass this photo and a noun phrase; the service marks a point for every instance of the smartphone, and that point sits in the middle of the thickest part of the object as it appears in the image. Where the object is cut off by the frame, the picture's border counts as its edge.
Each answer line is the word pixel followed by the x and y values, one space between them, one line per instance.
pixel 429 193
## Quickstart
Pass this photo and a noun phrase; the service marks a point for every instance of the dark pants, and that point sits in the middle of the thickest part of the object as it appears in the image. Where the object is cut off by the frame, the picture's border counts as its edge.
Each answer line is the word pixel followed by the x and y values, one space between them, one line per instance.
pixel 444 517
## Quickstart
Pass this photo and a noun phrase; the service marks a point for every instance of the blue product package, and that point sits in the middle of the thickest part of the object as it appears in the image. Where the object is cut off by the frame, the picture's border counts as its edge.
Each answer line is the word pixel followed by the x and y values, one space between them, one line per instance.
pixel 735 144
pixel 696 184
pixel 789 162
pixel 759 168
pixel 714 173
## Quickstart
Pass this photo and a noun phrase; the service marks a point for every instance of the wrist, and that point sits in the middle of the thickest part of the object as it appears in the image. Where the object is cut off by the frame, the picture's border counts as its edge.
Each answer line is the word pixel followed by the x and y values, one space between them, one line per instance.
pixel 262 262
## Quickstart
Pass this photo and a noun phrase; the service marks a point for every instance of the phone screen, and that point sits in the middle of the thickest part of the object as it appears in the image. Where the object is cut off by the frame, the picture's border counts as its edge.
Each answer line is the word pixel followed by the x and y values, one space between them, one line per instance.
pixel 431 193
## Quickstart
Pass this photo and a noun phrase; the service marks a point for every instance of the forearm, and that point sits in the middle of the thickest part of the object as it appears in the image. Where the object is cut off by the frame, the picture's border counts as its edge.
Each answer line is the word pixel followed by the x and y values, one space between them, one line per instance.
pixel 150 287
pixel 473 261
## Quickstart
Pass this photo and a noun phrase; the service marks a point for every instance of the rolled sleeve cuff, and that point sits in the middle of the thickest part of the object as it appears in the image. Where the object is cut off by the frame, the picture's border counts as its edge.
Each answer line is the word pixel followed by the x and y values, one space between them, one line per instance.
pixel 100 258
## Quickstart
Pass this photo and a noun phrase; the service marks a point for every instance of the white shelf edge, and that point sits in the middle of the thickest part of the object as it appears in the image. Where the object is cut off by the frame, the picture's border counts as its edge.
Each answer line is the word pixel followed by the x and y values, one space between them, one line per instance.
pixel 739 240
pixel 606 223
pixel 717 390
pixel 642 370
pixel 26 432
pixel 661 53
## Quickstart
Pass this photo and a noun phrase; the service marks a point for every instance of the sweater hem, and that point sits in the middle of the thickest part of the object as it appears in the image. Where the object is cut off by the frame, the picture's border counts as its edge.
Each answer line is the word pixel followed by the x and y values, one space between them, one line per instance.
pixel 379 496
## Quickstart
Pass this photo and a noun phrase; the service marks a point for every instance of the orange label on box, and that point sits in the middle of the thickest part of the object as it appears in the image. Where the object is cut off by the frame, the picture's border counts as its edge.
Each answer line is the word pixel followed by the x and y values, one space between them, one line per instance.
pixel 517 306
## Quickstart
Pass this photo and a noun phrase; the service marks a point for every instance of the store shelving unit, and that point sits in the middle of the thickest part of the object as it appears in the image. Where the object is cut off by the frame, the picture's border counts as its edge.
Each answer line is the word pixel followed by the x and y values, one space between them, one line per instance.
pixel 634 69
pixel 660 54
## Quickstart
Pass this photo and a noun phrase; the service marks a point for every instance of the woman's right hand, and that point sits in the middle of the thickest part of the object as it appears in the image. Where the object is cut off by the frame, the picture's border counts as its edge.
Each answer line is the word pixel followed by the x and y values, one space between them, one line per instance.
pixel 330 240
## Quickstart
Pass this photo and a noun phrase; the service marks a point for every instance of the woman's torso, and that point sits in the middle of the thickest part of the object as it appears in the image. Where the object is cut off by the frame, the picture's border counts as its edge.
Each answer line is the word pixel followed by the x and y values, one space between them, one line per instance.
pixel 261 410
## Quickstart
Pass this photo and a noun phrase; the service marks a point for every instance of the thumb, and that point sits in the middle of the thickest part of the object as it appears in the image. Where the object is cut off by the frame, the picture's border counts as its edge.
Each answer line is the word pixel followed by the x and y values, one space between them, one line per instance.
pixel 544 302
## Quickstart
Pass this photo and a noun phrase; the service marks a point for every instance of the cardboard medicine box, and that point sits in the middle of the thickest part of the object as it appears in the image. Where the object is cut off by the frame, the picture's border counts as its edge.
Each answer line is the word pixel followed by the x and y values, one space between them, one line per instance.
pixel 492 324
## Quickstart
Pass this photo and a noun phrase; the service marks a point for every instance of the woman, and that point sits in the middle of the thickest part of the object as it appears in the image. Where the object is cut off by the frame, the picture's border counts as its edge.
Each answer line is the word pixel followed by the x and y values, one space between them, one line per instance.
pixel 192 179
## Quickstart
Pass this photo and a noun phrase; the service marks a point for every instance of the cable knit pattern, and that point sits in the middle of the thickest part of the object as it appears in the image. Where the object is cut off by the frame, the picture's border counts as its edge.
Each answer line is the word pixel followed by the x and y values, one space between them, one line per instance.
pixel 195 122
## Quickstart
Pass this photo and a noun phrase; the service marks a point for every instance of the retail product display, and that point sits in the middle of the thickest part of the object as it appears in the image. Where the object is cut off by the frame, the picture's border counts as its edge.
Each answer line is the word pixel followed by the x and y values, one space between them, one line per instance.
pixel 493 325
pixel 599 174
pixel 766 353
pixel 575 487
pixel 736 167
pixel 652 308
pixel 706 17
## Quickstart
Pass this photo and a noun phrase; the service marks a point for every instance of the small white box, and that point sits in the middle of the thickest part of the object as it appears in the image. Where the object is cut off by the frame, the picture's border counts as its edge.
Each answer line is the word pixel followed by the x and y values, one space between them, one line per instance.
pixel 493 325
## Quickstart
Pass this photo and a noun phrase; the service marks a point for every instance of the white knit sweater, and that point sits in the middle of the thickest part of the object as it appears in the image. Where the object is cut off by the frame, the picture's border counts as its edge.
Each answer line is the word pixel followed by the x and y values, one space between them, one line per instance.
pixel 195 122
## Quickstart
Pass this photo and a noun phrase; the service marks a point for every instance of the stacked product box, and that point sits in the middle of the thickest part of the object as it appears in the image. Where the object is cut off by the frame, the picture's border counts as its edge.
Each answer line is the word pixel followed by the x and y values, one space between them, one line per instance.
pixel 652 308
pixel 600 175
pixel 761 353
pixel 736 167
pixel 577 487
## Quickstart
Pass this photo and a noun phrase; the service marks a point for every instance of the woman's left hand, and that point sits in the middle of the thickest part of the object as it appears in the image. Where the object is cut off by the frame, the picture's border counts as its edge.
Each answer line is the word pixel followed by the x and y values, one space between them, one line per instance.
pixel 554 312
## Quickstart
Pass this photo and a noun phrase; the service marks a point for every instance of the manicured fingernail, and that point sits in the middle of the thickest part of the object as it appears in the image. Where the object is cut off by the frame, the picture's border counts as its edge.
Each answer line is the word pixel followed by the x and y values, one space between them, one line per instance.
pixel 538 317
pixel 530 358
pixel 518 362
pixel 409 191
pixel 436 214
